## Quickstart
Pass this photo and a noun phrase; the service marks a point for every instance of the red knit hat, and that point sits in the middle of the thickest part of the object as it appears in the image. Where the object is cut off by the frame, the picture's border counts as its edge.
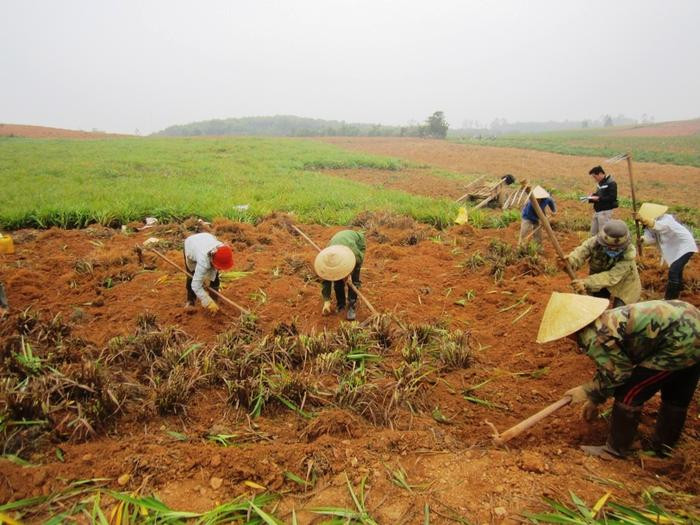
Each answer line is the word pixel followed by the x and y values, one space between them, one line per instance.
pixel 222 258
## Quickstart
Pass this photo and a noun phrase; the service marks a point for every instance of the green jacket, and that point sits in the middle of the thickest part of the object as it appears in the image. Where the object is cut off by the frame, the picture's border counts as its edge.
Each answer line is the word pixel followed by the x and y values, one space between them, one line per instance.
pixel 618 274
pixel 353 240
pixel 660 335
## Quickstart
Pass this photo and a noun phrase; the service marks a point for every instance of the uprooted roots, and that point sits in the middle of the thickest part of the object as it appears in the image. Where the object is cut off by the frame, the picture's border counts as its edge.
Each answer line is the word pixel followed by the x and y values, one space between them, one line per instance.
pixel 56 387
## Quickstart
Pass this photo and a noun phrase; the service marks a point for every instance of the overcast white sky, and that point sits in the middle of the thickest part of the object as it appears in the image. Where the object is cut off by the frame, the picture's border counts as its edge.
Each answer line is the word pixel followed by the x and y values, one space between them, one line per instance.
pixel 147 64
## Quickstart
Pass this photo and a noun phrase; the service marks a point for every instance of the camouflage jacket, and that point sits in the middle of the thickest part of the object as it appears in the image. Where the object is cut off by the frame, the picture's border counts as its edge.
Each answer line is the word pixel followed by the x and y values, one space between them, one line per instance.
pixel 618 274
pixel 660 335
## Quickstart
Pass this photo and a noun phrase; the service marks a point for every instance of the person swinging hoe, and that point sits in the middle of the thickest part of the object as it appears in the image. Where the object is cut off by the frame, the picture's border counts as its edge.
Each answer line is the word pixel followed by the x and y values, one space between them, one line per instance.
pixel 638 350
pixel 342 258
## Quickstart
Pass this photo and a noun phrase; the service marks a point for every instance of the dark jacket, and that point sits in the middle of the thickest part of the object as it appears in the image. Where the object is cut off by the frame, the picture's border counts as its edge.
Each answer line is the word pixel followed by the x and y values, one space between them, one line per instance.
pixel 529 212
pixel 606 190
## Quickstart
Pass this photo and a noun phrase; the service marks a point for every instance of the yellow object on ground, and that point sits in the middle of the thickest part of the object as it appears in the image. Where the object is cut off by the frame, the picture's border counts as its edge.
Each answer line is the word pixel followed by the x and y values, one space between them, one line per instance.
pixel 6 244
pixel 462 216
pixel 566 313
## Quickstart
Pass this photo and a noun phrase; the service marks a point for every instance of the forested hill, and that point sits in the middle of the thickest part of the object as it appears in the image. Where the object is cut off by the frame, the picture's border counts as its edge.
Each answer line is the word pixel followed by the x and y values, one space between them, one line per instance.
pixel 284 125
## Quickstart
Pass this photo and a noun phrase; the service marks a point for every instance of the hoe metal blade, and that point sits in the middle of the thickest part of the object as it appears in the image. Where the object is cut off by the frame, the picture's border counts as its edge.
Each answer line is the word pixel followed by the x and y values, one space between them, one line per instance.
pixel 616 158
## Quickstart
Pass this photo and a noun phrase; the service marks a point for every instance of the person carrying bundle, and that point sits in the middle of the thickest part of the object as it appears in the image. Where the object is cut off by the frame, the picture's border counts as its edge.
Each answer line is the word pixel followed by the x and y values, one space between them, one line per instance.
pixel 342 257
pixel 530 223
pixel 638 350
pixel 205 256
pixel 673 239
pixel 613 268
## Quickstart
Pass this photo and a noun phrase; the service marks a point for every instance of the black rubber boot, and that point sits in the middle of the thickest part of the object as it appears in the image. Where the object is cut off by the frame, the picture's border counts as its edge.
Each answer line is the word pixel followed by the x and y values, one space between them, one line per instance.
pixel 624 421
pixel 351 312
pixel 673 290
pixel 669 425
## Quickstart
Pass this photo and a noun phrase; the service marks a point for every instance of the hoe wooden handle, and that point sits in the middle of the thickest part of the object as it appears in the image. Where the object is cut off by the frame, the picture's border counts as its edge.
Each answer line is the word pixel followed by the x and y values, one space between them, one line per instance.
pixel 529 422
pixel 634 205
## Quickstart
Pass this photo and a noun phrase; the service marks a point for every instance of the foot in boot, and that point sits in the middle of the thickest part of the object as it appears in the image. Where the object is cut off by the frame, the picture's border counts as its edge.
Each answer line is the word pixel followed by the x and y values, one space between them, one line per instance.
pixel 351 314
pixel 669 426
pixel 340 307
pixel 673 290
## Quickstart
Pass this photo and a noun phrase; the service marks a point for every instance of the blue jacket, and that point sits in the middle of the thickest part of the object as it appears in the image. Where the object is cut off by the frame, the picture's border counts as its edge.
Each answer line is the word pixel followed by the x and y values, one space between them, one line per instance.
pixel 529 212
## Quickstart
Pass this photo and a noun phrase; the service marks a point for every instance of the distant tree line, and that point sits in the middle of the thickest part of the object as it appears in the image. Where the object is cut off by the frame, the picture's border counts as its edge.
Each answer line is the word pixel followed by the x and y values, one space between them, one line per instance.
pixel 501 126
pixel 435 126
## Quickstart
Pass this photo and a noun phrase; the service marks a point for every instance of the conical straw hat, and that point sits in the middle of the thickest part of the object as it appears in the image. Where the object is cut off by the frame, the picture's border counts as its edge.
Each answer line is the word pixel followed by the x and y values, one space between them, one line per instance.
pixel 568 312
pixel 334 263
pixel 650 212
pixel 540 193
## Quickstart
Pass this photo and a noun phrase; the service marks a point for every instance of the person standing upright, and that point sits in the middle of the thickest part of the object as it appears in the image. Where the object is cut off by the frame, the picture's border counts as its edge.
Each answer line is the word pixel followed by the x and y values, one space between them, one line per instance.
pixel 604 199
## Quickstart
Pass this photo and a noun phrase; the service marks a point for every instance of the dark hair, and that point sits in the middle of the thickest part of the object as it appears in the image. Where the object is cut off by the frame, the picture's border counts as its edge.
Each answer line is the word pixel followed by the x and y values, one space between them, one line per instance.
pixel 508 178
pixel 598 170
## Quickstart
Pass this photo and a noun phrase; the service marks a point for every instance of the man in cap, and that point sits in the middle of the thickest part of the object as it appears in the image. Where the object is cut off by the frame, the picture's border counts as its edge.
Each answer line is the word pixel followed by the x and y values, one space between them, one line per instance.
pixel 638 350
pixel 205 256
pixel 342 257
pixel 530 221
pixel 604 199
pixel 674 240
pixel 613 269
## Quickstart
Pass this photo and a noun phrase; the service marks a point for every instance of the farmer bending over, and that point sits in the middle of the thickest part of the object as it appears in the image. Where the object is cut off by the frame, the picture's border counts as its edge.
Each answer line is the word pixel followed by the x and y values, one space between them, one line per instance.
pixel 674 240
pixel 638 350
pixel 205 256
pixel 611 260
pixel 530 221
pixel 342 257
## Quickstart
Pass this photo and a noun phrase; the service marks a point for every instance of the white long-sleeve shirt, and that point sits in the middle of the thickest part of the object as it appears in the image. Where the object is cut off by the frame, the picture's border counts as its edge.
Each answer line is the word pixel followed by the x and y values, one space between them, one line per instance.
pixel 198 249
pixel 673 238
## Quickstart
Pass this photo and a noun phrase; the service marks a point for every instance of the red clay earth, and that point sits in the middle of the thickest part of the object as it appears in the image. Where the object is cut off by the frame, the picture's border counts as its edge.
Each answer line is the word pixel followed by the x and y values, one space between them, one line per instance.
pixel 414 272
pixel 653 182
pixel 43 132
pixel 680 128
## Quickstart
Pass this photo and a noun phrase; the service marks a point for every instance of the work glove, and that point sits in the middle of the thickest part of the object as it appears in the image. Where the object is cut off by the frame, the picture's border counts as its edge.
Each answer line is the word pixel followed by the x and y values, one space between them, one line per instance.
pixel 577 394
pixel 589 412
pixel 326 310
pixel 578 286
pixel 212 308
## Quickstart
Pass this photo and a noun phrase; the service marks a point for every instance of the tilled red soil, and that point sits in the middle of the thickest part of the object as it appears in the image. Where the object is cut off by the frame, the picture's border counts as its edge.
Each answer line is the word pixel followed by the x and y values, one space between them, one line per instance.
pixel 44 132
pixel 93 278
pixel 653 182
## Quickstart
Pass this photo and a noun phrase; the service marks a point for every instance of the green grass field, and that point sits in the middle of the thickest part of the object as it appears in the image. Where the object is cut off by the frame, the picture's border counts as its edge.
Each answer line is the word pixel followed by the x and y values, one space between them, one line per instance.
pixel 684 151
pixel 71 183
